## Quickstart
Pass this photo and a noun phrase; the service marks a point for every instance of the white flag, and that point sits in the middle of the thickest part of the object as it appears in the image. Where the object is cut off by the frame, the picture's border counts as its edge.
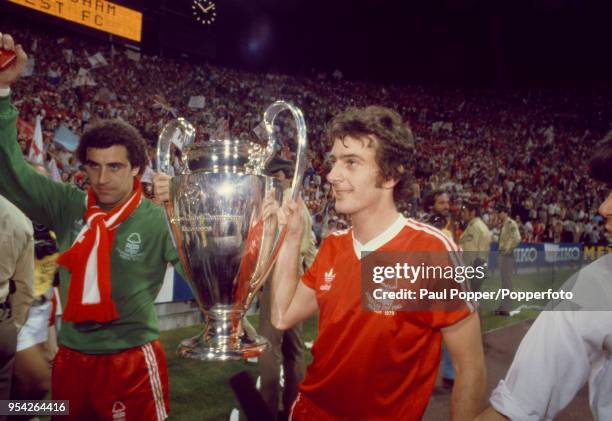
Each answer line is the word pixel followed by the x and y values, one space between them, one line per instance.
pixel 36 154
pixel 132 55
pixel 54 171
pixel 83 78
pixel 197 101
pixel 97 60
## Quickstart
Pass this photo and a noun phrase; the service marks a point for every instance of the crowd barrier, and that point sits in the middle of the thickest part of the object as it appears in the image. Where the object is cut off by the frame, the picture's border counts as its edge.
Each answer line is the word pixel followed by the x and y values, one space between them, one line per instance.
pixel 527 255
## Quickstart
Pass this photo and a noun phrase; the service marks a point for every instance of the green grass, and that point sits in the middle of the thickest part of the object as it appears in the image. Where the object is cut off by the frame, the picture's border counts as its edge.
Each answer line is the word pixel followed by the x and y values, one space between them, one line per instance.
pixel 538 281
pixel 200 390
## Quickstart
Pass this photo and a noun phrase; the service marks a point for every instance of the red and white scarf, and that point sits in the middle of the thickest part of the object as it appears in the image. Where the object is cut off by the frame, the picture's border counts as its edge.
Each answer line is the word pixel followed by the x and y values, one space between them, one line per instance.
pixel 88 260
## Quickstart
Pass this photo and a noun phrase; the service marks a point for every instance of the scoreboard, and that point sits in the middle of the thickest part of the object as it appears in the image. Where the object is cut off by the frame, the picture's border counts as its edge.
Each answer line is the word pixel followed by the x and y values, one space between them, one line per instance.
pixel 97 14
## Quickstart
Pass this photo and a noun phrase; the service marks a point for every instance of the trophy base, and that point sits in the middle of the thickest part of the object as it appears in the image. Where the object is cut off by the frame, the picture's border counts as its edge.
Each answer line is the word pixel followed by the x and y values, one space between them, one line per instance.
pixel 220 341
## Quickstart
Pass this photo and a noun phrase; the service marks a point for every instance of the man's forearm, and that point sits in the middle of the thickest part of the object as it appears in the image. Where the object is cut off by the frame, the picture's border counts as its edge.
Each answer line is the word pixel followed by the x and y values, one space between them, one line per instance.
pixel 468 393
pixel 284 280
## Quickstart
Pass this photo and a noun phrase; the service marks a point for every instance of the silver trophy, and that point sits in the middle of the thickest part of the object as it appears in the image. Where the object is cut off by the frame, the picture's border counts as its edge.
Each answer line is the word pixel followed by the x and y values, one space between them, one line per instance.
pixel 226 244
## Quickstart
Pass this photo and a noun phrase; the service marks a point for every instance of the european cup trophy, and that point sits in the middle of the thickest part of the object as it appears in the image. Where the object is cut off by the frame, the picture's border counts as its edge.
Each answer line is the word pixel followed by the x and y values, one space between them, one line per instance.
pixel 227 246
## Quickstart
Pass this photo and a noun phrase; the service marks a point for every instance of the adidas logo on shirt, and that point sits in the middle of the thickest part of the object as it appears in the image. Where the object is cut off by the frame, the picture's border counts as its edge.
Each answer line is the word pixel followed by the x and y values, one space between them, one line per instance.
pixel 328 278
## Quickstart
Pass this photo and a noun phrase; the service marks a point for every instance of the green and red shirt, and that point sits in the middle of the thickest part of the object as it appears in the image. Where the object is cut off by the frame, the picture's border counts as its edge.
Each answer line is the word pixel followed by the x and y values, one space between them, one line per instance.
pixel 141 250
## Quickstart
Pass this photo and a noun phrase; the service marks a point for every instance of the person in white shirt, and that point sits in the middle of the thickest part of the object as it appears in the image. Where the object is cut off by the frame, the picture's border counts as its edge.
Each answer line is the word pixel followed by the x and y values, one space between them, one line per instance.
pixel 566 348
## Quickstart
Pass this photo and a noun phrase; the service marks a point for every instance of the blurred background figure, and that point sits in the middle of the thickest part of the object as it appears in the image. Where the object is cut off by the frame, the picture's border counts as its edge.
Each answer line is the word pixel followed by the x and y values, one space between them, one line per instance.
pixel 286 348
pixel 16 286
pixel 35 346
pixel 475 240
pixel 509 238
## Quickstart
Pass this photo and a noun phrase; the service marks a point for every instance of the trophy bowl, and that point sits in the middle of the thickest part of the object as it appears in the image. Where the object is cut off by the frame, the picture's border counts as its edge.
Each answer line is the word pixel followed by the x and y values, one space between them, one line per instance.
pixel 226 243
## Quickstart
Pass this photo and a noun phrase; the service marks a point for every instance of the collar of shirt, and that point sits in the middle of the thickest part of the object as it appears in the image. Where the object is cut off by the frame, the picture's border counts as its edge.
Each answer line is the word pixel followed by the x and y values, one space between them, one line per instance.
pixel 383 238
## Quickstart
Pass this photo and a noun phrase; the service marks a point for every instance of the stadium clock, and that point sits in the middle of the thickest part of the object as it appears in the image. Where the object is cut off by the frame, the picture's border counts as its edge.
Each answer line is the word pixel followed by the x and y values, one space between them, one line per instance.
pixel 204 11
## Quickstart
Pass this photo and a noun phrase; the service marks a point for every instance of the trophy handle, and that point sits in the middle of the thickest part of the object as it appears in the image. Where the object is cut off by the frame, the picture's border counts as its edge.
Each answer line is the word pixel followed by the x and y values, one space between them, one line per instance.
pixel 300 166
pixel 179 132
pixel 300 159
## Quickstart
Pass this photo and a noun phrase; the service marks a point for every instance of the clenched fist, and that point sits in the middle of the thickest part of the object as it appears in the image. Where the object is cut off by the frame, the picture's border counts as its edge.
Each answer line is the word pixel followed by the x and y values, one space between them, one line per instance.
pixel 9 74
pixel 161 188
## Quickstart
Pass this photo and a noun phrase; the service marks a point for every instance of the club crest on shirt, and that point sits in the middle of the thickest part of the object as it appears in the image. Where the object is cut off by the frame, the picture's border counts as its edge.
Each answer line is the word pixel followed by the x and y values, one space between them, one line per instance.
pixel 384 307
pixel 131 249
pixel 328 278
pixel 118 411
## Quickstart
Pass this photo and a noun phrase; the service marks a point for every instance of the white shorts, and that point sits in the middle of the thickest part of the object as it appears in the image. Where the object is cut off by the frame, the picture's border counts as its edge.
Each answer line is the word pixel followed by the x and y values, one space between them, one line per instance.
pixel 35 330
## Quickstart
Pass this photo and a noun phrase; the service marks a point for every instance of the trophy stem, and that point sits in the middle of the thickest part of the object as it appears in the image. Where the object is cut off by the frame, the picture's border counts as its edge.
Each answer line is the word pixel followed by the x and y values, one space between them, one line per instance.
pixel 227 336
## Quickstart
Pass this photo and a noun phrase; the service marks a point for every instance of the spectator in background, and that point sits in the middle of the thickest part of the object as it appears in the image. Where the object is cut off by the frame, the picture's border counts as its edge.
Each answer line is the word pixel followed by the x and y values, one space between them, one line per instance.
pixel 437 204
pixel 475 240
pixel 509 238
pixel 509 147
pixel 16 285
pixel 286 346
pixel 317 228
pixel 32 373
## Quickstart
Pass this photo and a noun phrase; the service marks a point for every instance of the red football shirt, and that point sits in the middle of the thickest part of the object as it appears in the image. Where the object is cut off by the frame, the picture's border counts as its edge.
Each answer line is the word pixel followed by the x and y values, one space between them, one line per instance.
pixel 369 365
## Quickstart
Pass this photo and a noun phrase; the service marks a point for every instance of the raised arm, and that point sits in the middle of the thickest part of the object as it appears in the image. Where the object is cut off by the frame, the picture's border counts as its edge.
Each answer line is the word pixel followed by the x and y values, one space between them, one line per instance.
pixel 41 199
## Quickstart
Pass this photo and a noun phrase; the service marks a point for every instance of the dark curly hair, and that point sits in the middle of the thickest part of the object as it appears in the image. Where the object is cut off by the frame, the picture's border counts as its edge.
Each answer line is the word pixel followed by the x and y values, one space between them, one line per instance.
pixel 430 199
pixel 393 141
pixel 473 206
pixel 109 133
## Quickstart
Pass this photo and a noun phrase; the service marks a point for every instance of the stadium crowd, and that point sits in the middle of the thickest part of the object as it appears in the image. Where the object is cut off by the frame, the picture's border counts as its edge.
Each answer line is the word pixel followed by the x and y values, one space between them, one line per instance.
pixel 524 149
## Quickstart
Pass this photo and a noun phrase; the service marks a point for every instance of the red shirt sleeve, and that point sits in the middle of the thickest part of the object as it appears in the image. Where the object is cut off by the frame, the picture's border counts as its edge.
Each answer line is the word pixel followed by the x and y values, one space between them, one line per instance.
pixel 457 309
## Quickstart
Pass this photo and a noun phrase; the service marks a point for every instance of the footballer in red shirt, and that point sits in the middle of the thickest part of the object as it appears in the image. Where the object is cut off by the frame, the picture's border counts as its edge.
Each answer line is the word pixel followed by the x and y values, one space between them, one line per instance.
pixel 371 365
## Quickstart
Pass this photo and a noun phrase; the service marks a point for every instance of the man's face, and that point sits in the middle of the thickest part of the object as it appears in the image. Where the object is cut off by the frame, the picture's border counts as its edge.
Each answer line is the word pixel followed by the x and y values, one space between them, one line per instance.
pixel 355 176
pixel 441 205
pixel 605 210
pixel 280 175
pixel 466 215
pixel 110 174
